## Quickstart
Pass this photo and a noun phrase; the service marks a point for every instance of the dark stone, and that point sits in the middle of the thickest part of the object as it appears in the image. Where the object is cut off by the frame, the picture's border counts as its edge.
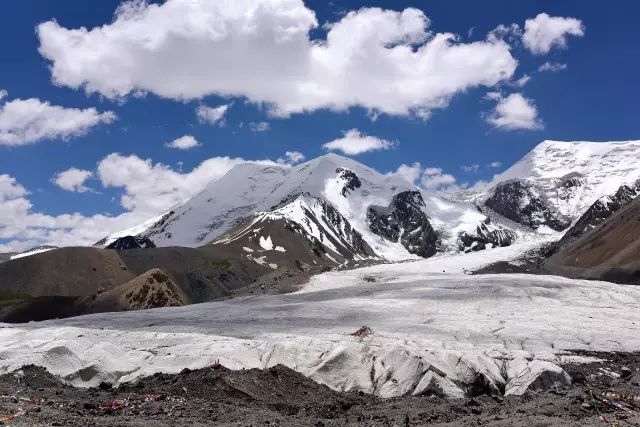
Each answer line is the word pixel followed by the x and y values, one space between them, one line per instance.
pixel 404 221
pixel 131 242
pixel 105 386
pixel 351 180
pixel 520 202
pixel 598 212
pixel 486 233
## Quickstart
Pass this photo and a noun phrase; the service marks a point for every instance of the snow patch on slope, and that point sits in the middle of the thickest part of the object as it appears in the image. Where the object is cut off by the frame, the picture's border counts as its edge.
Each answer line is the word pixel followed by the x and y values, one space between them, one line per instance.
pixel 31 252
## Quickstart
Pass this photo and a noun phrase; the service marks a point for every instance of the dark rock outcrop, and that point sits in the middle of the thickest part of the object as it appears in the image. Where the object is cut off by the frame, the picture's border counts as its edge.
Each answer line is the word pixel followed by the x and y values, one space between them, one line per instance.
pixel 351 180
pixel 486 234
pixel 602 209
pixel 521 202
pixel 404 221
pixel 131 242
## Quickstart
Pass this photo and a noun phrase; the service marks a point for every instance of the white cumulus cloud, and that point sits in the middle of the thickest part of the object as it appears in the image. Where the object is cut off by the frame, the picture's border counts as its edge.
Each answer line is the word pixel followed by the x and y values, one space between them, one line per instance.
pixel 184 143
pixel 544 32
pixel 259 126
pixel 436 179
pixel 27 121
pixel 382 60
pixel 212 115
pixel 148 190
pixel 153 188
pixel 73 179
pixel 291 158
pixel 552 67
pixel 428 178
pixel 470 168
pixel 514 112
pixel 354 142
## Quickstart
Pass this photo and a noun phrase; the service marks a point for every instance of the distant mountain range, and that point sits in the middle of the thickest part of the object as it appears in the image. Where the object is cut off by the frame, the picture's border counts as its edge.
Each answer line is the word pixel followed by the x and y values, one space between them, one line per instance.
pixel 356 213
pixel 264 228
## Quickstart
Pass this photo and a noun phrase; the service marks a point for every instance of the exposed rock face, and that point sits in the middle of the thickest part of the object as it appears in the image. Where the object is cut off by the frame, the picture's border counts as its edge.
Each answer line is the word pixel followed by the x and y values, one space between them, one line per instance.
pixel 131 242
pixel 521 202
pixel 602 209
pixel 302 227
pixel 348 237
pixel 152 289
pixel 351 180
pixel 486 234
pixel 404 221
pixel 570 185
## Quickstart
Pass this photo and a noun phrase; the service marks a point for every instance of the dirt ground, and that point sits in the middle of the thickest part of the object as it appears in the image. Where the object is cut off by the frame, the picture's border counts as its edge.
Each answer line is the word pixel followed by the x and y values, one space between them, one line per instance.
pixel 282 397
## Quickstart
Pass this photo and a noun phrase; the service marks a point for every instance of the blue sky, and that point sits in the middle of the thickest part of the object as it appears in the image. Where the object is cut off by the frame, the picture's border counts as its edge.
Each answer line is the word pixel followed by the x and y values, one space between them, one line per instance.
pixel 593 98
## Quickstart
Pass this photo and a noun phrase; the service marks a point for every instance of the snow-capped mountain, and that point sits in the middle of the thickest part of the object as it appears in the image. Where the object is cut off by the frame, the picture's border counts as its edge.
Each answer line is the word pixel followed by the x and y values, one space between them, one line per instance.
pixel 570 176
pixel 344 210
pixel 332 199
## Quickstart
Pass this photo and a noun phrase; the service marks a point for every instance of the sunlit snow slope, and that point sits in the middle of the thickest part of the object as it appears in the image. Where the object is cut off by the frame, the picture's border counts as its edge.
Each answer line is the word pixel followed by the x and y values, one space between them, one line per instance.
pixel 598 168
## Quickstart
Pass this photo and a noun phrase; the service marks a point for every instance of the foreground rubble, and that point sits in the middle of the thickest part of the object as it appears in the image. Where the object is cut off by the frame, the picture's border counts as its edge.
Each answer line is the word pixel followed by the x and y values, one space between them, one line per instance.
pixel 602 393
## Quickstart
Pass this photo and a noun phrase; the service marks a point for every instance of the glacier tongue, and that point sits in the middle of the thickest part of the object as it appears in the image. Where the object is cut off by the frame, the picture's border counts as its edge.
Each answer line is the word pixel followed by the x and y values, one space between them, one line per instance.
pixel 429 331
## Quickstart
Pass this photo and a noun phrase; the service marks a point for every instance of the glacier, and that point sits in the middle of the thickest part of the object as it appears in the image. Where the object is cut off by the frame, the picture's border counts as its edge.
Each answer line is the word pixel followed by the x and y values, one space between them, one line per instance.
pixel 434 329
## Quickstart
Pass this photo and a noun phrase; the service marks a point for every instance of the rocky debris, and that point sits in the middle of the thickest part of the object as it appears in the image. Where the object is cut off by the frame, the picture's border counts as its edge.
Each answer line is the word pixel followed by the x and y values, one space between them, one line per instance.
pixel 602 209
pixel 404 221
pixel 351 180
pixel 281 396
pixel 364 331
pixel 131 242
pixel 521 202
pixel 486 235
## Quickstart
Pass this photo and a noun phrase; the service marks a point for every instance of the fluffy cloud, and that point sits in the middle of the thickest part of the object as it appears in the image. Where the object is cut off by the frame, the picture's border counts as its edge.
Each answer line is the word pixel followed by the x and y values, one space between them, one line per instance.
pixel 10 188
pixel 544 32
pixel 149 189
pixel 153 188
pixel 512 33
pixel 212 115
pixel 3 94
pixel 514 112
pixel 436 179
pixel 21 228
pixel 291 158
pixel 382 60
pixel 552 67
pixel 259 126
pixel 73 179
pixel 522 81
pixel 353 142
pixel 27 121
pixel 429 178
pixel 410 173
pixel 495 164
pixel 184 143
pixel 470 168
